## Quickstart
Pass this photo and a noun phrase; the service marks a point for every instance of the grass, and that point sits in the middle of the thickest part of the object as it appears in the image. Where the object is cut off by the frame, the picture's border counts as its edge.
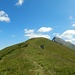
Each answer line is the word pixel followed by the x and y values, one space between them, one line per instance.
pixel 28 58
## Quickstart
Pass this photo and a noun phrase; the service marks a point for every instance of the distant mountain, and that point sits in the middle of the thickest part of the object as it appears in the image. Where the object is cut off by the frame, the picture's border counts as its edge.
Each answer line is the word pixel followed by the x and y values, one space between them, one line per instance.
pixel 64 43
pixel 37 56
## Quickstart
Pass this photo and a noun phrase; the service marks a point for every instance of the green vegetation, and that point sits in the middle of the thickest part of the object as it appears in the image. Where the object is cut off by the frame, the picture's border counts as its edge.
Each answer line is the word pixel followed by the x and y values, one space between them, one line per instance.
pixel 28 58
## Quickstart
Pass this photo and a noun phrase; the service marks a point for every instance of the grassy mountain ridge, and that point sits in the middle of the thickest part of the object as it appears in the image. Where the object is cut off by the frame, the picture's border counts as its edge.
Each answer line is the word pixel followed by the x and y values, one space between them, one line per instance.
pixel 28 58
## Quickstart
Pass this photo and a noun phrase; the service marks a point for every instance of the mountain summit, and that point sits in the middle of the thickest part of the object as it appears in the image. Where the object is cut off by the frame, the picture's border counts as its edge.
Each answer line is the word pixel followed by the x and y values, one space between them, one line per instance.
pixel 64 43
pixel 37 56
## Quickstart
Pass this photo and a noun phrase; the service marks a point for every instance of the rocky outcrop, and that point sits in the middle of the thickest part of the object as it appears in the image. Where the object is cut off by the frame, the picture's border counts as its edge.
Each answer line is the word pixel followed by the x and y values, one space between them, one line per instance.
pixel 64 43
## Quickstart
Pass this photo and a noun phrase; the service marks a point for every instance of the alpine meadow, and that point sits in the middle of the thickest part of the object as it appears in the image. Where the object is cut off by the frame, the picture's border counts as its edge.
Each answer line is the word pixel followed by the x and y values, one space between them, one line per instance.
pixel 37 37
pixel 29 58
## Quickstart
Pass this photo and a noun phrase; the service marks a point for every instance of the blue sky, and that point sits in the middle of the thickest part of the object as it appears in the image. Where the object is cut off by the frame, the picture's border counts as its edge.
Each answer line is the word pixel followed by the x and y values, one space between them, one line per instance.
pixel 24 19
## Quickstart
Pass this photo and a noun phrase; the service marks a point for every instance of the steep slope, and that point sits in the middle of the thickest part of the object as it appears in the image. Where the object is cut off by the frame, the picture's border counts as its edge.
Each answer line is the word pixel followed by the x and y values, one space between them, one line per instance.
pixel 37 56
pixel 61 41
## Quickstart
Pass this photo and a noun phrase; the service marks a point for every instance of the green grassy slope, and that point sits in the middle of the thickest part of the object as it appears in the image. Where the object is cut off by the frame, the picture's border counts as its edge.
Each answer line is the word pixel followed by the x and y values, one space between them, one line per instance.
pixel 28 58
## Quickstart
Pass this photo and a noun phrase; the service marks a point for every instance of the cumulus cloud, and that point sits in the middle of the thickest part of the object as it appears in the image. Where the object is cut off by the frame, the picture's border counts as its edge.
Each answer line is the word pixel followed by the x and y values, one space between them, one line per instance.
pixel 45 29
pixel 68 35
pixel 35 35
pixel 29 31
pixel 4 16
pixel 32 33
pixel 20 2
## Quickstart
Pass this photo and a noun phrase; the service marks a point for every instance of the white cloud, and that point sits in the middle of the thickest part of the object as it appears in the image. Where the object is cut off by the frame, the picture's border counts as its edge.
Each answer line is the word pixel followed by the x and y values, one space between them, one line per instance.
pixel 4 16
pixel 73 21
pixel 31 33
pixel 71 17
pixel 35 35
pixel 73 25
pixel 68 35
pixel 56 34
pixel 45 29
pixel 20 2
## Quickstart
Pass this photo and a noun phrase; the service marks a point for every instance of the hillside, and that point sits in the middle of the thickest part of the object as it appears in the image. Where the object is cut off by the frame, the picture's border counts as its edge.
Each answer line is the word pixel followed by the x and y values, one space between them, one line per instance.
pixel 37 56
pixel 64 43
